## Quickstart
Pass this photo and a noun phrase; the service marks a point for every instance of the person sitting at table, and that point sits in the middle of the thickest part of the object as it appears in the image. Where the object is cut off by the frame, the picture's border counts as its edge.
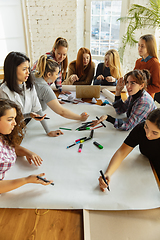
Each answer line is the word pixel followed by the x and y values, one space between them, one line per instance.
pixel 138 104
pixel 59 54
pixel 147 135
pixel 18 87
pixel 11 134
pixel 47 71
pixel 81 70
pixel 108 72
pixel 147 49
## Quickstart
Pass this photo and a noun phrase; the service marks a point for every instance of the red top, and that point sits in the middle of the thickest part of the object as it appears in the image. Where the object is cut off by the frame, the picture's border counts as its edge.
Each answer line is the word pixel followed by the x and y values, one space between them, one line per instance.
pixel 153 66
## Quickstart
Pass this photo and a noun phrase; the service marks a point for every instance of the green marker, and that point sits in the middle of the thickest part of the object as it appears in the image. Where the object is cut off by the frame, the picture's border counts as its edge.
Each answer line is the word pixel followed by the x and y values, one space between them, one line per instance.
pixel 98 145
pixel 82 129
pixel 66 128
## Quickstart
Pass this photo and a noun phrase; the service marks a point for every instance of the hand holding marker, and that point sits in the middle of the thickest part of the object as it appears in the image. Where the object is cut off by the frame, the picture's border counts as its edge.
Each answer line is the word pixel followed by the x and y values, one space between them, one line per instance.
pixel 104 179
pixel 45 180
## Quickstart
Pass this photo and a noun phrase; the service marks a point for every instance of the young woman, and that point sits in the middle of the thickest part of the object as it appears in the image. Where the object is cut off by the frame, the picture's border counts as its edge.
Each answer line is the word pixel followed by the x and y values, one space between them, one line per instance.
pixel 47 71
pixel 138 104
pixel 11 134
pixel 81 70
pixel 147 49
pixel 110 70
pixel 59 54
pixel 147 136
pixel 18 87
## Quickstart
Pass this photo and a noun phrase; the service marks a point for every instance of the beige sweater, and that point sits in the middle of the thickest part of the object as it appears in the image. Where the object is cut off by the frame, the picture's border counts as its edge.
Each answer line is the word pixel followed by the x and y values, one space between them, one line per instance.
pixel 86 79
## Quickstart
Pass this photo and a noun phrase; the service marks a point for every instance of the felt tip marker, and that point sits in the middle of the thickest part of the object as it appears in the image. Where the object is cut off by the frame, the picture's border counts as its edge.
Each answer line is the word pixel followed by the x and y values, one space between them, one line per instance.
pixel 66 128
pixel 41 117
pixel 97 127
pixel 71 145
pixel 43 179
pixel 101 122
pixel 104 179
pixel 98 145
pixel 80 148
pixel 83 129
pixel 80 139
pixel 91 134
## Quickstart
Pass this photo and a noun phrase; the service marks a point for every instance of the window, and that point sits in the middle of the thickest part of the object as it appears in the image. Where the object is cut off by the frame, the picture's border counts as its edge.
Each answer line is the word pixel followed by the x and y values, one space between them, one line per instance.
pixel 13 32
pixel 102 30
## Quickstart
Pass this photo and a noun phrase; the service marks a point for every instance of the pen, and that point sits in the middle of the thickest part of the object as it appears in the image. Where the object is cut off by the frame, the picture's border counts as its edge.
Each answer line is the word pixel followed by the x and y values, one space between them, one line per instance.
pixel 104 179
pixel 66 128
pixel 101 122
pixel 43 179
pixel 42 117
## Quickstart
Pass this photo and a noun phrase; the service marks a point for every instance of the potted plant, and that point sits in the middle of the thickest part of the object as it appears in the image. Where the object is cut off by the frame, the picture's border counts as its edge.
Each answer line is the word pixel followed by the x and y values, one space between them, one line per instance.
pixel 139 17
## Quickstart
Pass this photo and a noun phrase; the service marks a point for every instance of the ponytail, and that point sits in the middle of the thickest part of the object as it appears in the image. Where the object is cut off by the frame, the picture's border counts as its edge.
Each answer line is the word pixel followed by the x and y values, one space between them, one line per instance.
pixel 44 66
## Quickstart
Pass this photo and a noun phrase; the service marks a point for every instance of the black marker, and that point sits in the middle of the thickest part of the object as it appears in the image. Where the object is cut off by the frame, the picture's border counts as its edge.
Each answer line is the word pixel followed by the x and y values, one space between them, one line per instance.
pixel 91 134
pixel 42 117
pixel 98 145
pixel 101 122
pixel 71 145
pixel 45 180
pixel 104 179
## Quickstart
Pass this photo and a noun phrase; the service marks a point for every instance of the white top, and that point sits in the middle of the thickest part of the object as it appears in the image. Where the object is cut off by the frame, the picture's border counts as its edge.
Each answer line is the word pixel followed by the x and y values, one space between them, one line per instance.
pixel 31 102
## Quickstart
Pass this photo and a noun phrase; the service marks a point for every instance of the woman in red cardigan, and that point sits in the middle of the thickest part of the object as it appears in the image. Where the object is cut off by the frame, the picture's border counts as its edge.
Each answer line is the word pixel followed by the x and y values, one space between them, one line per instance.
pixel 147 49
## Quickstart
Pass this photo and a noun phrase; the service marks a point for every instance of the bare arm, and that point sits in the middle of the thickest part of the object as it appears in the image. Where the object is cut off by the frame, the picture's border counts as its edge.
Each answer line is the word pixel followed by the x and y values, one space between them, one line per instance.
pixel 64 112
pixel 115 162
pixel 8 185
pixel 31 156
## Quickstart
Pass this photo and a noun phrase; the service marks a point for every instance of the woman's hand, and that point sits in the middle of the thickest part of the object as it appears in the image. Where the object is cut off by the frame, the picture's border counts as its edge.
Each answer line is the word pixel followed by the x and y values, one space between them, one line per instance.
pixel 96 122
pixel 65 92
pixel 55 133
pixel 102 184
pixel 84 116
pixel 110 79
pixel 74 78
pixel 34 179
pixel 31 156
pixel 100 77
pixel 34 115
pixel 119 87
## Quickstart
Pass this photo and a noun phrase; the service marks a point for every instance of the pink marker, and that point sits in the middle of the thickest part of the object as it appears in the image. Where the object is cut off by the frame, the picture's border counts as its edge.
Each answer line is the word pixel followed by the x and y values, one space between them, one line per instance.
pixel 80 148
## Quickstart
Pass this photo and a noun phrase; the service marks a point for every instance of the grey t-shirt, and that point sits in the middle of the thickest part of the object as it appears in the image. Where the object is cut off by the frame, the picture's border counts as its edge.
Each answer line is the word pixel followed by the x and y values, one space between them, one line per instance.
pixel 44 92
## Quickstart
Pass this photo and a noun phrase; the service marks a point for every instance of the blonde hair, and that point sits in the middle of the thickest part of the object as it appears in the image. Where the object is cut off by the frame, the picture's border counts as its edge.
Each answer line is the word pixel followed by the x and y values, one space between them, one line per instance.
pixel 44 66
pixel 150 44
pixel 114 63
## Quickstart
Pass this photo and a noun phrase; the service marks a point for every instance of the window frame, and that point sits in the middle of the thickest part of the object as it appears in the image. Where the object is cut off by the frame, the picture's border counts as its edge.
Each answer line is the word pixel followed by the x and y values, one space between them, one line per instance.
pixel 25 31
pixel 87 23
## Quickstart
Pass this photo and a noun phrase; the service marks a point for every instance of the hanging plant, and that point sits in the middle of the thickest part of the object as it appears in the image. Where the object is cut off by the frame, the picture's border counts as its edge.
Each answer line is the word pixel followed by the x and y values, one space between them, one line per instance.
pixel 139 17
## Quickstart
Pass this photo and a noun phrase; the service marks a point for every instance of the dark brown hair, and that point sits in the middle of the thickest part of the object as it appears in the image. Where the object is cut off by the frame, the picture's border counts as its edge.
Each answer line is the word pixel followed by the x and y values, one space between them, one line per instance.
pixel 154 117
pixel 16 136
pixel 140 76
pixel 11 62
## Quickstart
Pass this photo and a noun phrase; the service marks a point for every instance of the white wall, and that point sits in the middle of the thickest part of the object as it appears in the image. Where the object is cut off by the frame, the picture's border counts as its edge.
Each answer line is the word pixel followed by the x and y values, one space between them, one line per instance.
pixel 50 19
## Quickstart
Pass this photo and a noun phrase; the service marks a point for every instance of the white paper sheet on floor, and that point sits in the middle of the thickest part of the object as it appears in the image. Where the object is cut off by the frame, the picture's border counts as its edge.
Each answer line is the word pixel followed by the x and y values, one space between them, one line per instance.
pixel 133 185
